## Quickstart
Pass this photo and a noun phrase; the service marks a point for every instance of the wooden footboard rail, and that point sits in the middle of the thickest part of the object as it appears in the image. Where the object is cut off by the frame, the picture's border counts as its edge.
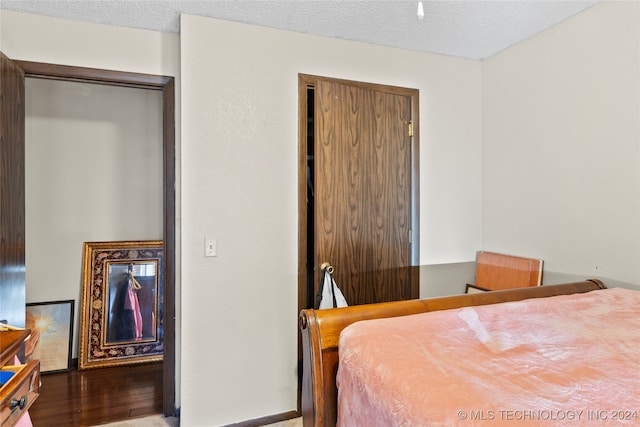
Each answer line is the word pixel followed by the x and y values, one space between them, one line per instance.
pixel 321 331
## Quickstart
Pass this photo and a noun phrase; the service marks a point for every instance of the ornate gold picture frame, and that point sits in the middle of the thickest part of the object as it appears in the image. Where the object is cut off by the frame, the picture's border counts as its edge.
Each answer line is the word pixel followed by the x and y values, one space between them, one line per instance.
pixel 122 307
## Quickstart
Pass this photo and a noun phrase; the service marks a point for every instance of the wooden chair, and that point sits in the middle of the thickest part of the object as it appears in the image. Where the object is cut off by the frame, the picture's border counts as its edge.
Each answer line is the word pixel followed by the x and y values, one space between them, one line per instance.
pixel 498 271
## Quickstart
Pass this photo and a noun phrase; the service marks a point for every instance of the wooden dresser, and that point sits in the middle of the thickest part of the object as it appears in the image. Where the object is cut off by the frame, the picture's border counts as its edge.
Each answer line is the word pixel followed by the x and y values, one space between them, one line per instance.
pixel 18 392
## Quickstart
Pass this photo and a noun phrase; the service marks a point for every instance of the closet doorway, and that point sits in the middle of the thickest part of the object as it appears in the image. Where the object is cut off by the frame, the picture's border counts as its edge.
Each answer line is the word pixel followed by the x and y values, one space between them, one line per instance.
pixel 164 87
pixel 358 189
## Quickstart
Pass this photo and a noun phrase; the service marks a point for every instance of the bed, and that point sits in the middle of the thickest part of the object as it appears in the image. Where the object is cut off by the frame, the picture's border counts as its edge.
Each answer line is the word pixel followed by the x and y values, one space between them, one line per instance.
pixel 323 346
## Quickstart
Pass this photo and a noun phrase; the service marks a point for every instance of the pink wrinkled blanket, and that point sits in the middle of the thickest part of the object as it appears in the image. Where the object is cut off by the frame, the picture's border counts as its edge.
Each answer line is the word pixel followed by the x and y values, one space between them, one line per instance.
pixel 564 360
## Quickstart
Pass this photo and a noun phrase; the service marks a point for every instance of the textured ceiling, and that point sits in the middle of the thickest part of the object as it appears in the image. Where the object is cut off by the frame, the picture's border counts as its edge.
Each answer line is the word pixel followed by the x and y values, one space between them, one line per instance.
pixel 474 29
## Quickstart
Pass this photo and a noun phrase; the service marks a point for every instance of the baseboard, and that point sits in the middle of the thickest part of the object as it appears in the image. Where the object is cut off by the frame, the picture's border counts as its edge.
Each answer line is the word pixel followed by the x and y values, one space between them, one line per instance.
pixel 267 420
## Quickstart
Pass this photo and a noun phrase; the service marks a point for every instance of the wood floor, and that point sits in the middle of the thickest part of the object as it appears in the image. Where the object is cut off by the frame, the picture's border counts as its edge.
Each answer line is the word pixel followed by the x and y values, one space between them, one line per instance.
pixel 98 396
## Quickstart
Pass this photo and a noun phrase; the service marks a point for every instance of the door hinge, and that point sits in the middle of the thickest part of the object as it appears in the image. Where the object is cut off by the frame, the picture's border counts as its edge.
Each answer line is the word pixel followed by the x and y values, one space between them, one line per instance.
pixel 410 127
pixel 410 236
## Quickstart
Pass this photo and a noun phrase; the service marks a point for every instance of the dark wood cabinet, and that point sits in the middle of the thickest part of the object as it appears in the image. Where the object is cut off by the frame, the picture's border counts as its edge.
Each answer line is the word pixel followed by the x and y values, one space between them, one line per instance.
pixel 22 387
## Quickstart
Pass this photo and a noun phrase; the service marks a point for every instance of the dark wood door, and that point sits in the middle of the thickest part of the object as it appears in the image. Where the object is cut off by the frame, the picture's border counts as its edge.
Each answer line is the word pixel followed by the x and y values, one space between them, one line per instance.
pixel 364 191
pixel 12 198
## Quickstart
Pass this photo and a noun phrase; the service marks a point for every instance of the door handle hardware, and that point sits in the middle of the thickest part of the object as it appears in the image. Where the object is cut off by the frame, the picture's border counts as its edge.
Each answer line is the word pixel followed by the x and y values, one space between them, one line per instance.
pixel 328 267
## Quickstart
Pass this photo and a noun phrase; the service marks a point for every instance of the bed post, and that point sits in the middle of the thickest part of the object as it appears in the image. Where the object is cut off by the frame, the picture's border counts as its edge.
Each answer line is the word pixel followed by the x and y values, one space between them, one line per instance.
pixel 311 368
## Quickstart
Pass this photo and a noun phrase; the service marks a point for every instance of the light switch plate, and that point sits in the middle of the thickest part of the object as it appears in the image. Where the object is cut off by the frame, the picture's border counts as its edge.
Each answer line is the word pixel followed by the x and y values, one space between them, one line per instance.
pixel 210 247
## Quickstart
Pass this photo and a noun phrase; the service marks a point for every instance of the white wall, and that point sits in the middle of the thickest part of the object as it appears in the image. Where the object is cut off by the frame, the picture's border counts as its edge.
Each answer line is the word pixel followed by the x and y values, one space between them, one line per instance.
pixel 561 146
pixel 93 172
pixel 239 152
pixel 59 41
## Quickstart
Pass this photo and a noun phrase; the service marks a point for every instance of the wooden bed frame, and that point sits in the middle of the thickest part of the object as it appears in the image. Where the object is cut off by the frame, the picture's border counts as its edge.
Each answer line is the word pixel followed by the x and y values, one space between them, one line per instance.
pixel 321 331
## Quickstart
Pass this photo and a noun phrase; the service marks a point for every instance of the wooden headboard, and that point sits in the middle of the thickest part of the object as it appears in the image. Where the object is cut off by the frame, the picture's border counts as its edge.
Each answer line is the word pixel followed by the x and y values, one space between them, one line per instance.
pixel 321 331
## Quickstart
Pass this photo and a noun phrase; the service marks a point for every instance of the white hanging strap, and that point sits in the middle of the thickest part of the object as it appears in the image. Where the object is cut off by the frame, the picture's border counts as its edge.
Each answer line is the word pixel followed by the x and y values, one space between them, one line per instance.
pixel 331 296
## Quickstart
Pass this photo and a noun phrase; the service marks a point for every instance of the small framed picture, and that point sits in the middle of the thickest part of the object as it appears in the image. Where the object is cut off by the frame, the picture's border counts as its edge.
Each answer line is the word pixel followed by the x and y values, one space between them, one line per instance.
pixel 473 289
pixel 51 339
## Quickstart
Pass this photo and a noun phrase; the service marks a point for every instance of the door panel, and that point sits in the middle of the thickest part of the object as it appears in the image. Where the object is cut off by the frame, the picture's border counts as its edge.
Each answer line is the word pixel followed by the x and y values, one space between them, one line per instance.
pixel 363 190
pixel 12 205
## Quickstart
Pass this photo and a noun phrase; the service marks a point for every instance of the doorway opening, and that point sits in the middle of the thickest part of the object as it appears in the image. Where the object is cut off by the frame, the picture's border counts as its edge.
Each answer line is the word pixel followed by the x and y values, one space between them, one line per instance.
pixel 358 190
pixel 166 86
pixel 310 199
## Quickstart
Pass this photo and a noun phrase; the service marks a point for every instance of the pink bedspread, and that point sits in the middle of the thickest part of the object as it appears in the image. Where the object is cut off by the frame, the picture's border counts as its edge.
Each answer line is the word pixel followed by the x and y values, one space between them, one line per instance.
pixel 565 360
